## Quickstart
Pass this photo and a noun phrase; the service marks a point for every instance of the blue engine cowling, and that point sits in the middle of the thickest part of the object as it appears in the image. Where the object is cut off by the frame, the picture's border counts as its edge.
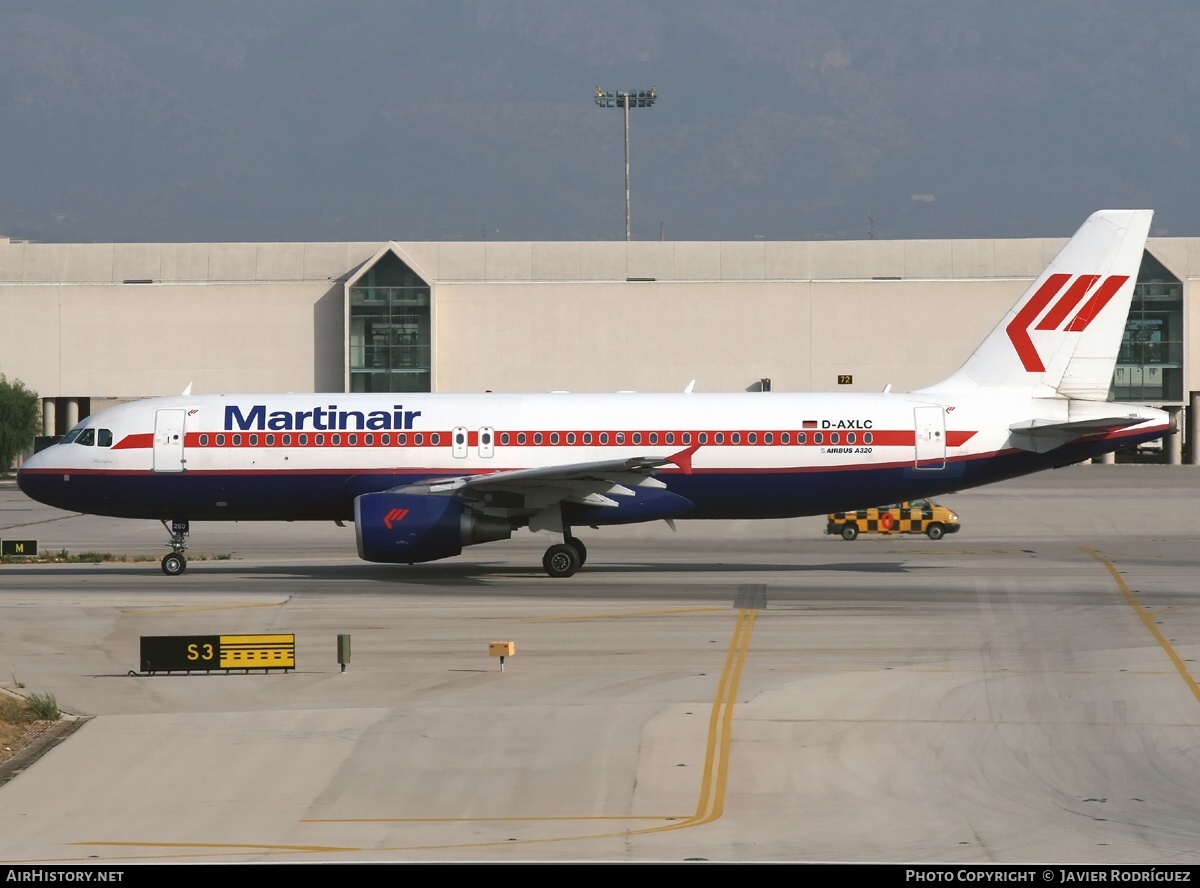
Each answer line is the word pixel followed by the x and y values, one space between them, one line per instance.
pixel 405 528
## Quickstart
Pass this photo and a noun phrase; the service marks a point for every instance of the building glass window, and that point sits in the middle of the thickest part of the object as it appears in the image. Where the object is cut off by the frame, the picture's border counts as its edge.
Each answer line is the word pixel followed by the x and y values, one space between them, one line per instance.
pixel 390 333
pixel 1150 363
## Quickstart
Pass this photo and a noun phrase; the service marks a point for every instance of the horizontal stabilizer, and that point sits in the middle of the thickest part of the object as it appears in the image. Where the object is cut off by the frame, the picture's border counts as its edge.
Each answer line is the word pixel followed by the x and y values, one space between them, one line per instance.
pixel 1043 435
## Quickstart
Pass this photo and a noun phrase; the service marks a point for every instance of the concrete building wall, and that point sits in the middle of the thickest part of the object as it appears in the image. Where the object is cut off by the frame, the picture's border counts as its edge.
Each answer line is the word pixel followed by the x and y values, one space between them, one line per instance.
pixel 582 316
pixel 130 341
pixel 120 321
pixel 658 336
pixel 610 336
pixel 181 263
pixel 1191 336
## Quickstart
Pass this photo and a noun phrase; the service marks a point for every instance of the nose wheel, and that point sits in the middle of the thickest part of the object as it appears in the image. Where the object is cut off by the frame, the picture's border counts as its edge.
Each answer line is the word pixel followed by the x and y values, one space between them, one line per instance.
pixel 175 564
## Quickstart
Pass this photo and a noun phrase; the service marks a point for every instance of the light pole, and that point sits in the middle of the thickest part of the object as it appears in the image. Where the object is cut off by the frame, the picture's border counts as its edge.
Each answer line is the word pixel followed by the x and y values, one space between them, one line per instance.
pixel 626 99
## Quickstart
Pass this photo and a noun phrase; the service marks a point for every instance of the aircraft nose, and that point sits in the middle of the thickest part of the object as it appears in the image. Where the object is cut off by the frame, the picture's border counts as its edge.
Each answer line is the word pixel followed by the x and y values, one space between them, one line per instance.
pixel 29 471
pixel 34 462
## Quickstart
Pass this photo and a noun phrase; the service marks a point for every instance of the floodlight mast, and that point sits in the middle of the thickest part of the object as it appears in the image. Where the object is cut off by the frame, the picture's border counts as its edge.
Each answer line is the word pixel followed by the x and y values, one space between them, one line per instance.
pixel 626 99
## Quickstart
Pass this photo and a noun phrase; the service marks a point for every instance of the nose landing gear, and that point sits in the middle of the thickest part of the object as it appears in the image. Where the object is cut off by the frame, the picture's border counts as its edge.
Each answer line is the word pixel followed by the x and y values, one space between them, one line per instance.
pixel 175 564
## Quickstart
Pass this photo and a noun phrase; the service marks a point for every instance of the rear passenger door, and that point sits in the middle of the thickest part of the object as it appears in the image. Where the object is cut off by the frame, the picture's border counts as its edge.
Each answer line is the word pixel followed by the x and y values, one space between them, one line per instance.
pixel 930 424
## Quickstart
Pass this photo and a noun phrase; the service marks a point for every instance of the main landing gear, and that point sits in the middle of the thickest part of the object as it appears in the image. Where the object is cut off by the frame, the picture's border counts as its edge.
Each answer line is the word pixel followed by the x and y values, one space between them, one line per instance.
pixel 563 559
pixel 175 564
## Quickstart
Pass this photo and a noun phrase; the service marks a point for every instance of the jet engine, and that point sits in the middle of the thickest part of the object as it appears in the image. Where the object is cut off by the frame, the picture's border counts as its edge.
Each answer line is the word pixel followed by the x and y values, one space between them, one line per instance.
pixel 405 528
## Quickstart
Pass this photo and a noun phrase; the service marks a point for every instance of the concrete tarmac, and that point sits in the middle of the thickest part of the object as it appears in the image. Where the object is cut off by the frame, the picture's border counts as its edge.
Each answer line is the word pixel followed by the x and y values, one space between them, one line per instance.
pixel 1022 691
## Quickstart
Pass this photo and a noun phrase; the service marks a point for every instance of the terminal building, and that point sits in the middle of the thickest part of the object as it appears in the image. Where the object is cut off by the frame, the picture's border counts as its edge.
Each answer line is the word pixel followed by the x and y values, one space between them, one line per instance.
pixel 89 325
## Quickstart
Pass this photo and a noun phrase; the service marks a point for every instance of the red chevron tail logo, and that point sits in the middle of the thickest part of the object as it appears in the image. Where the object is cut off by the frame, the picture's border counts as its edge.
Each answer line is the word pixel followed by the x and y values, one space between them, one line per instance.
pixel 1018 327
pixel 396 515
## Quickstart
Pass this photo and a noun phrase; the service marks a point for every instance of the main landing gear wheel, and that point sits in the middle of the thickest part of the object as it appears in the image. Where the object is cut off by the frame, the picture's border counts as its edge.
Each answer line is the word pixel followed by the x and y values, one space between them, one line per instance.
pixel 173 565
pixel 580 548
pixel 561 560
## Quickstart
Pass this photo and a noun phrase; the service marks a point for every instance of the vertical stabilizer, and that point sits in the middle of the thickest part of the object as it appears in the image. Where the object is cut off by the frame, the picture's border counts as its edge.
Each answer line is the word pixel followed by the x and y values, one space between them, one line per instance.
pixel 1063 335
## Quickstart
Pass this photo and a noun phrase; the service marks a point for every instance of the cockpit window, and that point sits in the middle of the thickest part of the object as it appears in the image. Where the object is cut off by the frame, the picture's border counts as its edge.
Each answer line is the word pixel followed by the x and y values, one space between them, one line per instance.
pixel 87 438
pixel 104 438
pixel 69 437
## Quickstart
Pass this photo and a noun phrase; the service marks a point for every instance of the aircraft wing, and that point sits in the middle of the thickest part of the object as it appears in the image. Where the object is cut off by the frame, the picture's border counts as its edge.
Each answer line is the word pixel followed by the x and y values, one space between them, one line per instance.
pixel 599 483
pixel 1043 435
pixel 644 465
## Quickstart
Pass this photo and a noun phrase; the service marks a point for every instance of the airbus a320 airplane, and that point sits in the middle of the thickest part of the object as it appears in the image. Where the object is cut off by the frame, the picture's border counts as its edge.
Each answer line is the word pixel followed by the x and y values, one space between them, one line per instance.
pixel 424 475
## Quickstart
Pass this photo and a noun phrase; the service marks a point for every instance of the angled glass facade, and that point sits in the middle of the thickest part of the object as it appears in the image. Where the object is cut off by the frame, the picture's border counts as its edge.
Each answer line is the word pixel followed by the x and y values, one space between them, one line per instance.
pixel 1150 364
pixel 390 331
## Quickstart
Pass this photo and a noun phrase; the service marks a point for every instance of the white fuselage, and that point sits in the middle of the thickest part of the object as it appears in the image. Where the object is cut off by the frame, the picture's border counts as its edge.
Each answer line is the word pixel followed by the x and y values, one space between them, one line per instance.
pixel 753 454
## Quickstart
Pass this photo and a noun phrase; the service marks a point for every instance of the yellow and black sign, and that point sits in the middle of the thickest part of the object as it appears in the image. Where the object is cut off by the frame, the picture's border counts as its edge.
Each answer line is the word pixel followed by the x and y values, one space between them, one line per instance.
pixel 195 653
pixel 18 548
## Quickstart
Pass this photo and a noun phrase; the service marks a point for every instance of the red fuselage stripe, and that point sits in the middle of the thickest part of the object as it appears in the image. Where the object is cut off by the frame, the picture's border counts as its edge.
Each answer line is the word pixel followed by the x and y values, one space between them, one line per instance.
pixel 592 438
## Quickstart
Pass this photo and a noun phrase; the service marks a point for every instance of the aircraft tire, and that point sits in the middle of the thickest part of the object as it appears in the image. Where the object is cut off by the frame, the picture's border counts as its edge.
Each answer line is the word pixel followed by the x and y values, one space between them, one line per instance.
pixel 935 531
pixel 580 548
pixel 561 560
pixel 173 565
pixel 849 532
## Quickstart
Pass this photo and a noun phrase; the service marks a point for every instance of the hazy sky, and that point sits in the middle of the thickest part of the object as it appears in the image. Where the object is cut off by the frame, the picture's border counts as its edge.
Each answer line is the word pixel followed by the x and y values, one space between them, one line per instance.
pixel 283 120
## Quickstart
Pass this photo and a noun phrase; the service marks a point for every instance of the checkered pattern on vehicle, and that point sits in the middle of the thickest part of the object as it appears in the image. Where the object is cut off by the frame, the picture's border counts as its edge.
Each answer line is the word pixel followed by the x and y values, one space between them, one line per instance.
pixel 889 521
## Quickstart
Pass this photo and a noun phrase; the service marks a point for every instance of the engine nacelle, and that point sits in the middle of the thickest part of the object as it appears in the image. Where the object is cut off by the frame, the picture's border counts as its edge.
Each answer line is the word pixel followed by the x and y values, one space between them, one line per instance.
pixel 405 528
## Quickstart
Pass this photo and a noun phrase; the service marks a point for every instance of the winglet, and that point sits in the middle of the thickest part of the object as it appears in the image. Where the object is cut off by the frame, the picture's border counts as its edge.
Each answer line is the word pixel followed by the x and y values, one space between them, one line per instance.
pixel 683 459
pixel 187 390
pixel 688 390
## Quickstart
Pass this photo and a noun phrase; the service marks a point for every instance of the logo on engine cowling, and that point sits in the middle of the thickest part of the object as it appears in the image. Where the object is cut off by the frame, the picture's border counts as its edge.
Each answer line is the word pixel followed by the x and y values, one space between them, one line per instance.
pixel 396 515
